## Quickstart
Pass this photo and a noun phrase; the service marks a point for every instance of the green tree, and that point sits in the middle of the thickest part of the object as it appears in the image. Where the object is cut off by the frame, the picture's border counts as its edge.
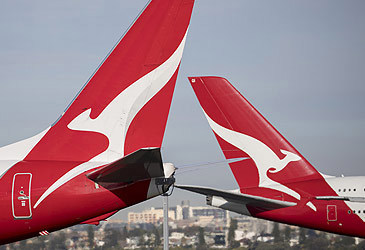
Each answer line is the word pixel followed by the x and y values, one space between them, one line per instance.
pixel 23 244
pixel 124 233
pixel 190 231
pixel 136 232
pixel 347 240
pixel 312 234
pixel 90 235
pixel 42 242
pixel 142 242
pixel 261 246
pixel 302 235
pixel 274 246
pixel 111 238
pixel 58 241
pixel 344 242
pixel 317 243
pixel 287 234
pixel 157 242
pixel 276 233
pixel 37 243
pixel 201 244
pixel 231 234
pixel 361 245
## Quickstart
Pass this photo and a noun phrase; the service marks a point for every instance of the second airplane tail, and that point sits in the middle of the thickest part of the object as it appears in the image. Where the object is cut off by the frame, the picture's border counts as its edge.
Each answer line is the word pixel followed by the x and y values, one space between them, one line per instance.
pixel 274 164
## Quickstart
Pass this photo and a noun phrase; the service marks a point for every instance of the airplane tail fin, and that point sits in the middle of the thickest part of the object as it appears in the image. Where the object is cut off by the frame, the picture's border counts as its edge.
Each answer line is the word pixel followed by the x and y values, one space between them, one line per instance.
pixel 125 104
pixel 242 131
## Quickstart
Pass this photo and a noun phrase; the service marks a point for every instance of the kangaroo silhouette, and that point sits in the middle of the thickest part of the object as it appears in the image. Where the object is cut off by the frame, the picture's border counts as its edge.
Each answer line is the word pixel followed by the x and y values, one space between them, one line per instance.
pixel 115 119
pixel 265 159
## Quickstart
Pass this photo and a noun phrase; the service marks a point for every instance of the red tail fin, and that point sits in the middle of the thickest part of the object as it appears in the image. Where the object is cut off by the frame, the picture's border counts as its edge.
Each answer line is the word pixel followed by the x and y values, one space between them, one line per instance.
pixel 125 104
pixel 243 132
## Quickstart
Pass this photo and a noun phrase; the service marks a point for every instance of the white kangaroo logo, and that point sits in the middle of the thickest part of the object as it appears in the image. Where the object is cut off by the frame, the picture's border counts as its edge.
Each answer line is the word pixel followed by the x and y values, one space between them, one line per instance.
pixel 115 119
pixel 265 159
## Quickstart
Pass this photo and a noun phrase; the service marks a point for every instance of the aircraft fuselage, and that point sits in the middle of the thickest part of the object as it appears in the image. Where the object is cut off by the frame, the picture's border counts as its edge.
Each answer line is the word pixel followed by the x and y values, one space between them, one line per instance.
pixel 74 202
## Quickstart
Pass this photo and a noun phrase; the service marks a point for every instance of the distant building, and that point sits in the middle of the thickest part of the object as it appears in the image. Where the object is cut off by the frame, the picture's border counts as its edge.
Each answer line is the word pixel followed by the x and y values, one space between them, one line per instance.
pixel 178 213
pixel 246 225
pixel 185 210
pixel 217 213
pixel 151 216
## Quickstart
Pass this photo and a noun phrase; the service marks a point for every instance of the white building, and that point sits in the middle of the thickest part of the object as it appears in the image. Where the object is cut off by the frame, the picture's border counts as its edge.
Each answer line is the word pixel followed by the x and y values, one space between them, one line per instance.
pixel 178 213
pixel 152 216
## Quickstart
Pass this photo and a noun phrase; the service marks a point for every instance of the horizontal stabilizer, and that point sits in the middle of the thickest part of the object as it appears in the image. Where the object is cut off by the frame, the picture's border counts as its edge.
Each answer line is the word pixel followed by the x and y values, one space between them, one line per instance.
pixel 240 198
pixel 342 198
pixel 143 164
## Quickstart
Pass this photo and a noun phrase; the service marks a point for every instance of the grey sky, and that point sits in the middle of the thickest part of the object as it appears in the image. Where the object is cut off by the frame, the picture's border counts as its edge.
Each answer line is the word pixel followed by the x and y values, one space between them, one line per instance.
pixel 301 63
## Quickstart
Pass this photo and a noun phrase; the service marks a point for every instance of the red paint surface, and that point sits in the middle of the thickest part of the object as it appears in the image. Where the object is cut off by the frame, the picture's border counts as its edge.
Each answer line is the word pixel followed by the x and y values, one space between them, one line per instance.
pixel 151 40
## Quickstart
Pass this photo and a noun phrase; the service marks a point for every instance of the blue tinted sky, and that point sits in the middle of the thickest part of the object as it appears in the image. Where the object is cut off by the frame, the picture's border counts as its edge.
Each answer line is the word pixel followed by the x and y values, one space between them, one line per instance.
pixel 301 63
